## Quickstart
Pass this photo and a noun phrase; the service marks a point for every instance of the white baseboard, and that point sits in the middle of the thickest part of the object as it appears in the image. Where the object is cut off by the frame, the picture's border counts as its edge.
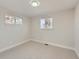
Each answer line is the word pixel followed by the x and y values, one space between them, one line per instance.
pixel 43 42
pixel 12 46
pixel 57 45
pixel 25 41
pixel 54 44
pixel 76 52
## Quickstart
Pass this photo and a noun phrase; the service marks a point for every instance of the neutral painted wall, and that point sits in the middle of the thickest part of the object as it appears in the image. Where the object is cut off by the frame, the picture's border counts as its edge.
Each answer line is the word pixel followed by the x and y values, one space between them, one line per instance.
pixel 77 29
pixel 61 34
pixel 12 34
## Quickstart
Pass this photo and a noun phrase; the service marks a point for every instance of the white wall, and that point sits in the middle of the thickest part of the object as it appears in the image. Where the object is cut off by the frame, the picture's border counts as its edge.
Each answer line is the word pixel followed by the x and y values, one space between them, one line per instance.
pixel 12 34
pixel 77 29
pixel 62 33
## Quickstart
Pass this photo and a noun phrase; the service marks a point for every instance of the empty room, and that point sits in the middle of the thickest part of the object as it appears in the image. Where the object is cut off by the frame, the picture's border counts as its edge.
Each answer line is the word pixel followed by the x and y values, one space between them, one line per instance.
pixel 39 29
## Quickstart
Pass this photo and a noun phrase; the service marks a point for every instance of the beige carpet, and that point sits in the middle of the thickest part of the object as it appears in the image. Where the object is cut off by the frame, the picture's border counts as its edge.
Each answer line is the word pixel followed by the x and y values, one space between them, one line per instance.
pixel 33 50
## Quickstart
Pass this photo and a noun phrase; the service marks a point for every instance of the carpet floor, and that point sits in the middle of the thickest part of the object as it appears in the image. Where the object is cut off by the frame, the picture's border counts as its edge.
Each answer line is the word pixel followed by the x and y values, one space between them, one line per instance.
pixel 34 50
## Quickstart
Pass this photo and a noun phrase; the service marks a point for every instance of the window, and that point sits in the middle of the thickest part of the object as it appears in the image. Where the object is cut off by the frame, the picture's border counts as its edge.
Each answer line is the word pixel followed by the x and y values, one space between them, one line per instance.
pixel 13 20
pixel 46 23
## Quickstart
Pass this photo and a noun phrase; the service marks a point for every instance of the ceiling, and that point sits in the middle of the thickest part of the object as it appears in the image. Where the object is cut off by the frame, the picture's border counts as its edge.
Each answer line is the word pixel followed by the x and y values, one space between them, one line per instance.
pixel 46 6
